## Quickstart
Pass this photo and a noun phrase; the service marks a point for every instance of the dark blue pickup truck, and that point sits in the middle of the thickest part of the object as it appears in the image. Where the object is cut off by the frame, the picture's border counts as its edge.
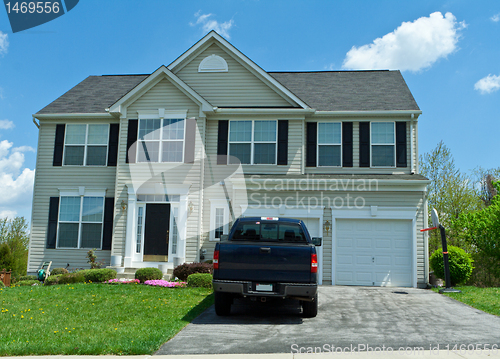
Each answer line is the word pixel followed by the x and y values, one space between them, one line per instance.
pixel 264 258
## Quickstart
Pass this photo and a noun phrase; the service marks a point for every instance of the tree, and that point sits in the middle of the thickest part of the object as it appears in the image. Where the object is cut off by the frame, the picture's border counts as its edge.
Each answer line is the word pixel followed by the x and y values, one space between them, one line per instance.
pixel 14 233
pixel 451 192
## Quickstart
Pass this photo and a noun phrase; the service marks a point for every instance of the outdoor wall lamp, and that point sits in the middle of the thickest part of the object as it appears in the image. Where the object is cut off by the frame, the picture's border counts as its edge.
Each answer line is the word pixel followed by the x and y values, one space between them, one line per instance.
pixel 123 205
pixel 326 227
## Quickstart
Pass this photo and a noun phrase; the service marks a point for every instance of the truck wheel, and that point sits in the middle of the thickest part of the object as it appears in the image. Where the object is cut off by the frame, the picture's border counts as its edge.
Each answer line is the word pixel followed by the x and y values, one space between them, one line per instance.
pixel 310 309
pixel 222 304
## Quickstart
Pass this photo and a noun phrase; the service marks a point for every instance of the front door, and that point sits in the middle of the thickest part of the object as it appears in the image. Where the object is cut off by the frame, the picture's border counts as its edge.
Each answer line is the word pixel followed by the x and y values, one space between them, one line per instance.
pixel 156 232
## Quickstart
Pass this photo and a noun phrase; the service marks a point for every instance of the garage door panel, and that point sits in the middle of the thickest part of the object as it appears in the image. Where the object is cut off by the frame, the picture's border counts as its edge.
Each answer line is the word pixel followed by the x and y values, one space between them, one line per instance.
pixel 375 252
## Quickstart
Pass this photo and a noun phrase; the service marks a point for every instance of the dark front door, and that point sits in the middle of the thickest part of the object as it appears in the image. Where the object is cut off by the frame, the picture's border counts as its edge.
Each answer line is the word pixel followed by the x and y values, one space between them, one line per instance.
pixel 156 232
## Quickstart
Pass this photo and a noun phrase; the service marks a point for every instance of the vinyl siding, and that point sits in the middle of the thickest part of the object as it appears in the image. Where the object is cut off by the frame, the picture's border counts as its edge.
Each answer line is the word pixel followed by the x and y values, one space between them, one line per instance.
pixel 48 180
pixel 163 95
pixel 236 88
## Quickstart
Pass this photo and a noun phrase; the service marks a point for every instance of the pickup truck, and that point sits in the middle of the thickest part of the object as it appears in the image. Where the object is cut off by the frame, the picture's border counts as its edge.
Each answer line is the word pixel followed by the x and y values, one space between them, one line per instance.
pixel 264 258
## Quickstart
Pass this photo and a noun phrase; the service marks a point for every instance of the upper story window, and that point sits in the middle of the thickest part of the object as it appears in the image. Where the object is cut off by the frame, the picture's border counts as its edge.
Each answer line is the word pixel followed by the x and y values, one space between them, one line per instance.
pixel 161 140
pixel 330 144
pixel 253 142
pixel 80 222
pixel 213 63
pixel 383 144
pixel 86 144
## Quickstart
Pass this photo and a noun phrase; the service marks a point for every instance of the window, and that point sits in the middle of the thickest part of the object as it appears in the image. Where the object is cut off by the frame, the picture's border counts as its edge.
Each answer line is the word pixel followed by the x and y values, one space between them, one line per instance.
pixel 80 222
pixel 175 230
pixel 383 144
pixel 219 222
pixel 140 225
pixel 269 232
pixel 253 142
pixel 161 140
pixel 86 144
pixel 329 144
pixel 219 218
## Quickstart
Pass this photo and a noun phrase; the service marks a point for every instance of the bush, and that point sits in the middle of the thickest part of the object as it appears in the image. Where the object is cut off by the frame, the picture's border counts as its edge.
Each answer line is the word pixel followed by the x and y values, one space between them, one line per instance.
pixel 98 275
pixel 57 271
pixel 71 278
pixel 144 274
pixel 52 279
pixel 185 270
pixel 27 277
pixel 24 283
pixel 200 280
pixel 2 285
pixel 460 264
pixel 6 259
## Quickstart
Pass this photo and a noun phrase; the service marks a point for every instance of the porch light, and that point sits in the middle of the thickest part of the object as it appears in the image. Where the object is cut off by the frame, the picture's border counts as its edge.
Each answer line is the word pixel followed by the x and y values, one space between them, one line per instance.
pixel 326 227
pixel 123 204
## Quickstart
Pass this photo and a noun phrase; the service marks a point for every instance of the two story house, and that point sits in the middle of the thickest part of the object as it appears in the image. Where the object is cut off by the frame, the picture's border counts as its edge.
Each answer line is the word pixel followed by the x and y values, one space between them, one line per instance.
pixel 152 169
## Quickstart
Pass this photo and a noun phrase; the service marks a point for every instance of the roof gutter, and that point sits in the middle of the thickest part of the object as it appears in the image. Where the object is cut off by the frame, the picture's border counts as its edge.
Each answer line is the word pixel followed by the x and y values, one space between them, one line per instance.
pixel 413 113
pixel 56 116
pixel 342 180
pixel 36 123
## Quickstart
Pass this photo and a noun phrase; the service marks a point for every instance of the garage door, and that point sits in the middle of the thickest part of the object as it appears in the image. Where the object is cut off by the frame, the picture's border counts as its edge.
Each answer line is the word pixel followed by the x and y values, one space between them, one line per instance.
pixel 373 252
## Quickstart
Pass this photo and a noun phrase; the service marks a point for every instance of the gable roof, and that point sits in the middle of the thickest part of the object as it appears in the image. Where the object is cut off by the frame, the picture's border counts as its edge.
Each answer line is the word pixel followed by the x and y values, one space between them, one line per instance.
pixel 380 90
pixel 94 94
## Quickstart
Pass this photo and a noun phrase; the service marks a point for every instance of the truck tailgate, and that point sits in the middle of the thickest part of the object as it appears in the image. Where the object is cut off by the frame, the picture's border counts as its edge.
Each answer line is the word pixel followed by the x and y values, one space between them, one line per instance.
pixel 265 262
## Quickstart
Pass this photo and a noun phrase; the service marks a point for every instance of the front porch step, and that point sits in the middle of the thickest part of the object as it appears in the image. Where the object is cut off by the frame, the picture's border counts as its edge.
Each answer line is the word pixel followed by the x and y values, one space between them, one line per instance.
pixel 129 273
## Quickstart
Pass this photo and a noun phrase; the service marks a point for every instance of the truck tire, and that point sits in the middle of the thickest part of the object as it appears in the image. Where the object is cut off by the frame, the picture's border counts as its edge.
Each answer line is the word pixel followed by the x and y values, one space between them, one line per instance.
pixel 222 304
pixel 310 309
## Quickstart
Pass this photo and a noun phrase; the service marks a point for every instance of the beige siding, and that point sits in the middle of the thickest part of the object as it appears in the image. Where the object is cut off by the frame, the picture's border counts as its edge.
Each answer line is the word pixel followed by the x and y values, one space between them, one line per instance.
pixel 236 88
pixel 48 181
pixel 163 95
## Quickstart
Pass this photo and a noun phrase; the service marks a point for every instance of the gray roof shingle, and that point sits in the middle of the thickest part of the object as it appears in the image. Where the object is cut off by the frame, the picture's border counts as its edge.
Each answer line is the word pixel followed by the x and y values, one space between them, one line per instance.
pixel 323 91
pixel 94 94
pixel 350 90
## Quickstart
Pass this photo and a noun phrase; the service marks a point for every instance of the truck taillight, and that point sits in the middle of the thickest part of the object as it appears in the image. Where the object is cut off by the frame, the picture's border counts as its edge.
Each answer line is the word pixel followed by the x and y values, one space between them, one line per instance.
pixel 314 263
pixel 216 259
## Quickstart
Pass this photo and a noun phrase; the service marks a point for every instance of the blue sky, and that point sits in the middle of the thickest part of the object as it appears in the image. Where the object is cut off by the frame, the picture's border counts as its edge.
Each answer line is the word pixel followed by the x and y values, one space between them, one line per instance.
pixel 448 52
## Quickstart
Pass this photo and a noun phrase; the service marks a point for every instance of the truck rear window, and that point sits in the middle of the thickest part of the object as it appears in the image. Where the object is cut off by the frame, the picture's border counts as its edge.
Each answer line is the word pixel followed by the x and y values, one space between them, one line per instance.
pixel 269 232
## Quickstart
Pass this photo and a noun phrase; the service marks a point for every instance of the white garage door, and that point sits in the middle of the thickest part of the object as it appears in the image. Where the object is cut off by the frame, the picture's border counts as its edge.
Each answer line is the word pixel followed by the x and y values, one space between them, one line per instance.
pixel 373 252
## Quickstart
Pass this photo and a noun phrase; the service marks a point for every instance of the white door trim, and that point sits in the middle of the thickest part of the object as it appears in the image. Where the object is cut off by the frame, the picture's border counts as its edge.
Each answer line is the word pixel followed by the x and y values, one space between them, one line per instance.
pixel 376 212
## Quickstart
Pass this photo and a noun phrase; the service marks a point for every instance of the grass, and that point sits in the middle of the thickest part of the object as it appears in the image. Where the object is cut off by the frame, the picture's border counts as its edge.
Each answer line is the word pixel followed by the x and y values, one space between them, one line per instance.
pixel 485 299
pixel 93 319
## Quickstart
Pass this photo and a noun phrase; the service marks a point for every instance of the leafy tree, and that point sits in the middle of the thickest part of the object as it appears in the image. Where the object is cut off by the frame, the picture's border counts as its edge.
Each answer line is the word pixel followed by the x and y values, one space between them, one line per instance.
pixel 14 233
pixel 451 192
pixel 6 259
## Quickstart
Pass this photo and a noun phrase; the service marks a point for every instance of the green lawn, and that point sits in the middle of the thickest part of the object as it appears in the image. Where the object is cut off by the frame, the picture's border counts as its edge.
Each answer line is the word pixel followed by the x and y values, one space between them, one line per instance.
pixel 485 299
pixel 95 318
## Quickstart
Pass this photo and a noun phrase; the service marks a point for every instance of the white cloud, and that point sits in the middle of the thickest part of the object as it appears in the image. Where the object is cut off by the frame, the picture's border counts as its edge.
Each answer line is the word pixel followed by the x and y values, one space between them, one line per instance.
pixel 8 214
pixel 412 46
pixel 4 43
pixel 495 18
pixel 16 183
pixel 488 84
pixel 6 124
pixel 209 24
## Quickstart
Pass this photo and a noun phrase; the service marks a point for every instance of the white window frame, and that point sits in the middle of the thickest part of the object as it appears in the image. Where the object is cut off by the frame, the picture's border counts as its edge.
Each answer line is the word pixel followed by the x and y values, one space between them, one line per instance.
pixel 329 144
pixel 141 232
pixel 214 205
pixel 252 143
pixel 81 194
pixel 174 220
pixel 86 145
pixel 161 114
pixel 382 144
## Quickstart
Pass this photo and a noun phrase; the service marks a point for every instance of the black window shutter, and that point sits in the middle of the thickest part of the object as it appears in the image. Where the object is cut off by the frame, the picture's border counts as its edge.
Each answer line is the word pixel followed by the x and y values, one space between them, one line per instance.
pixel 222 136
pixel 114 130
pixel 346 144
pixel 189 144
pixel 401 144
pixel 131 140
pixel 59 145
pixel 282 142
pixel 107 231
pixel 364 144
pixel 311 142
pixel 52 227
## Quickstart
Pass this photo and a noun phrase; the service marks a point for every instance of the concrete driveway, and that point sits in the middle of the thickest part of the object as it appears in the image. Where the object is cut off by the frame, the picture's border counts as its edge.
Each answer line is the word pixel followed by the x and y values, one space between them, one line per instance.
pixel 349 318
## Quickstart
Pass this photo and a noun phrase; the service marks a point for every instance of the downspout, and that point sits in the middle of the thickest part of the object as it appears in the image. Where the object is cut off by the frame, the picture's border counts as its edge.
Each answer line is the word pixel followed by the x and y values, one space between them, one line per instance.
pixel 426 239
pixel 33 200
pixel 201 198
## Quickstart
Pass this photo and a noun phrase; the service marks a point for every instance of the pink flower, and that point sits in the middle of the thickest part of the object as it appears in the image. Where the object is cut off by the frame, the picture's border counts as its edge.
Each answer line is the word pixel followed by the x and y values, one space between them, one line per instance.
pixel 164 283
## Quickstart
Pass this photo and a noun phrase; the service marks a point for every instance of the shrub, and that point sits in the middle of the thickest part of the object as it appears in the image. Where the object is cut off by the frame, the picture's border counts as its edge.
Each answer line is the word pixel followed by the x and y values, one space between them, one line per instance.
pixel 200 280
pixel 6 259
pixel 144 274
pixel 24 283
pixel 71 278
pixel 460 264
pixel 53 279
pixel 98 275
pixel 27 277
pixel 92 260
pixel 57 271
pixel 185 270
pixel 2 285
